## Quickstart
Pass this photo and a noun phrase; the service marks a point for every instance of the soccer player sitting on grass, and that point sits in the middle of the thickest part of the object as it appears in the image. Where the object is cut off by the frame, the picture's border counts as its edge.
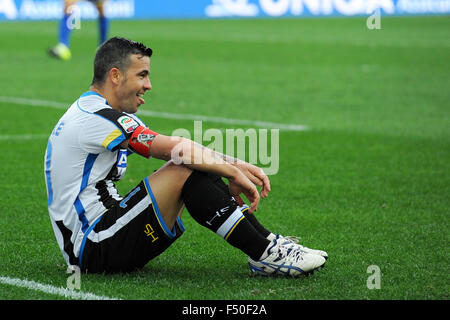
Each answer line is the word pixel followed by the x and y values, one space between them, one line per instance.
pixel 62 49
pixel 101 231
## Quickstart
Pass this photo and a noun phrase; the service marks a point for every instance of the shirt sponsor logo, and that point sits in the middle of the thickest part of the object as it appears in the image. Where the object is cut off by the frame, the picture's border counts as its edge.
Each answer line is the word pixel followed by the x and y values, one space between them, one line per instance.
pixel 122 158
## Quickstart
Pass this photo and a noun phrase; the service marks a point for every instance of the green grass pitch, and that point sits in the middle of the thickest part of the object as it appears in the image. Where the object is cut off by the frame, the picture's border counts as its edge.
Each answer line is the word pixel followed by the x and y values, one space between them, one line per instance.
pixel 368 182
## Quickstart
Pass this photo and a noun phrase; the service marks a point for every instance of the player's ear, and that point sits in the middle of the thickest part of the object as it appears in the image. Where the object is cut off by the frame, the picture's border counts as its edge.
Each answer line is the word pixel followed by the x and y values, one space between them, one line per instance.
pixel 115 75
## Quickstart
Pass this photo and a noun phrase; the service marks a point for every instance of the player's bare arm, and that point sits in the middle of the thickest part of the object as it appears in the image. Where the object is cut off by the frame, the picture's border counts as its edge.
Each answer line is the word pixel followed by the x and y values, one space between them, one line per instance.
pixel 197 157
pixel 252 172
pixel 242 176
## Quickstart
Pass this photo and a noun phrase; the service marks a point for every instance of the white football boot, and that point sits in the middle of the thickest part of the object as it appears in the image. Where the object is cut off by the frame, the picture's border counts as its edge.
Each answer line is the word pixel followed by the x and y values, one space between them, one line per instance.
pixel 291 241
pixel 286 261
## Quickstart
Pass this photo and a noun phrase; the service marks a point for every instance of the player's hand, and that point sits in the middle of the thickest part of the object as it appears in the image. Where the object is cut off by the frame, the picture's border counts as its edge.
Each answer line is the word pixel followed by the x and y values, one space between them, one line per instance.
pixel 255 175
pixel 240 184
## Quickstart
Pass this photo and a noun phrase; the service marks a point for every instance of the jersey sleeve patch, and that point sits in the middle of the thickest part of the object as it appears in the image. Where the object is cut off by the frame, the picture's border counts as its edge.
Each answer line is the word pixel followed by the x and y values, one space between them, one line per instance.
pixel 127 123
pixel 123 122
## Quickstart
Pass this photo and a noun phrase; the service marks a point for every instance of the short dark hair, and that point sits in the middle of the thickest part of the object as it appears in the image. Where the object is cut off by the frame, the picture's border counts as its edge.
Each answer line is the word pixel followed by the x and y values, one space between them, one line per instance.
pixel 115 53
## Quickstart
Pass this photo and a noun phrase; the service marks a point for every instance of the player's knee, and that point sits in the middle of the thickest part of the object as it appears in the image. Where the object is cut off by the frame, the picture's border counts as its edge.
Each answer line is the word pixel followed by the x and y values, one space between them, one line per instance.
pixel 177 174
pixel 179 169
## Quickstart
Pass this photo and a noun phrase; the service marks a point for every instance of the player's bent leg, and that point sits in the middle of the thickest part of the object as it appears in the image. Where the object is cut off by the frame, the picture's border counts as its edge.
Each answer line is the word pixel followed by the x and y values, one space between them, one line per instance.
pixel 131 233
pixel 214 208
pixel 166 185
pixel 208 202
pixel 288 241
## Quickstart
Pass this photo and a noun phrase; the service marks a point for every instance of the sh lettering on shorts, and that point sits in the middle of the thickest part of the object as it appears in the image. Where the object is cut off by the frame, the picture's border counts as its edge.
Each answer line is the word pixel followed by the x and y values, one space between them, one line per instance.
pixel 150 232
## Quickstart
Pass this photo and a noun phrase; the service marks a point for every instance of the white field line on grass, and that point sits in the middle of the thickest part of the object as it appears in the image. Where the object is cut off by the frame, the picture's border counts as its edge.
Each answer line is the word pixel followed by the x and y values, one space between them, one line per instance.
pixel 64 292
pixel 24 137
pixel 166 115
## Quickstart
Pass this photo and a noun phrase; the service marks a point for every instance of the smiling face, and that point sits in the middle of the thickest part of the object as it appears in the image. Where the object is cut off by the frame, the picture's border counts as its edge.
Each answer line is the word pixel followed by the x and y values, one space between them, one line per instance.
pixel 133 83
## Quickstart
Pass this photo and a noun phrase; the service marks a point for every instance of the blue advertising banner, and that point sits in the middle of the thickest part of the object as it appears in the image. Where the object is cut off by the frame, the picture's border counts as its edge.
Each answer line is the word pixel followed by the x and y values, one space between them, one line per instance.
pixel 174 9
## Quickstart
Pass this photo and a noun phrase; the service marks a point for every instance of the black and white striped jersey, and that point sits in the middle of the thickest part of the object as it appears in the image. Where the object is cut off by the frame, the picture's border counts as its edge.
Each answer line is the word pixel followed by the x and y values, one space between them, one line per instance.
pixel 82 161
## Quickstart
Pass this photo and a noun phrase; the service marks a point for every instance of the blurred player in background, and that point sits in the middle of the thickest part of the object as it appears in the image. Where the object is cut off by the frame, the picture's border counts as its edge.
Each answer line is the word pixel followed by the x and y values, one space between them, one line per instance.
pixel 62 49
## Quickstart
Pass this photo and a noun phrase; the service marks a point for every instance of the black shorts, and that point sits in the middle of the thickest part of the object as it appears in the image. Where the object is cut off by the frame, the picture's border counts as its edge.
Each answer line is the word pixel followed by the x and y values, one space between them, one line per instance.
pixel 128 235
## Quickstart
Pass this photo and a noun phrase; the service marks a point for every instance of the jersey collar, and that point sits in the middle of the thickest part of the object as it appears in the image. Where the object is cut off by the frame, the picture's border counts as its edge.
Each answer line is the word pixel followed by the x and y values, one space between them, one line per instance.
pixel 93 93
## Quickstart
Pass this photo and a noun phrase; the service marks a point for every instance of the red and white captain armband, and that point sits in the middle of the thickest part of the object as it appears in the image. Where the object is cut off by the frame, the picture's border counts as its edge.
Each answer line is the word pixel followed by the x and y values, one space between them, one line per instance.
pixel 141 140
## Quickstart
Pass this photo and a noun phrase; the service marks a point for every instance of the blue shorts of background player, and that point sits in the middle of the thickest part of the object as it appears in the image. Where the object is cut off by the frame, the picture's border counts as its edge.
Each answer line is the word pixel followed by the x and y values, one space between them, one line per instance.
pixel 62 49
